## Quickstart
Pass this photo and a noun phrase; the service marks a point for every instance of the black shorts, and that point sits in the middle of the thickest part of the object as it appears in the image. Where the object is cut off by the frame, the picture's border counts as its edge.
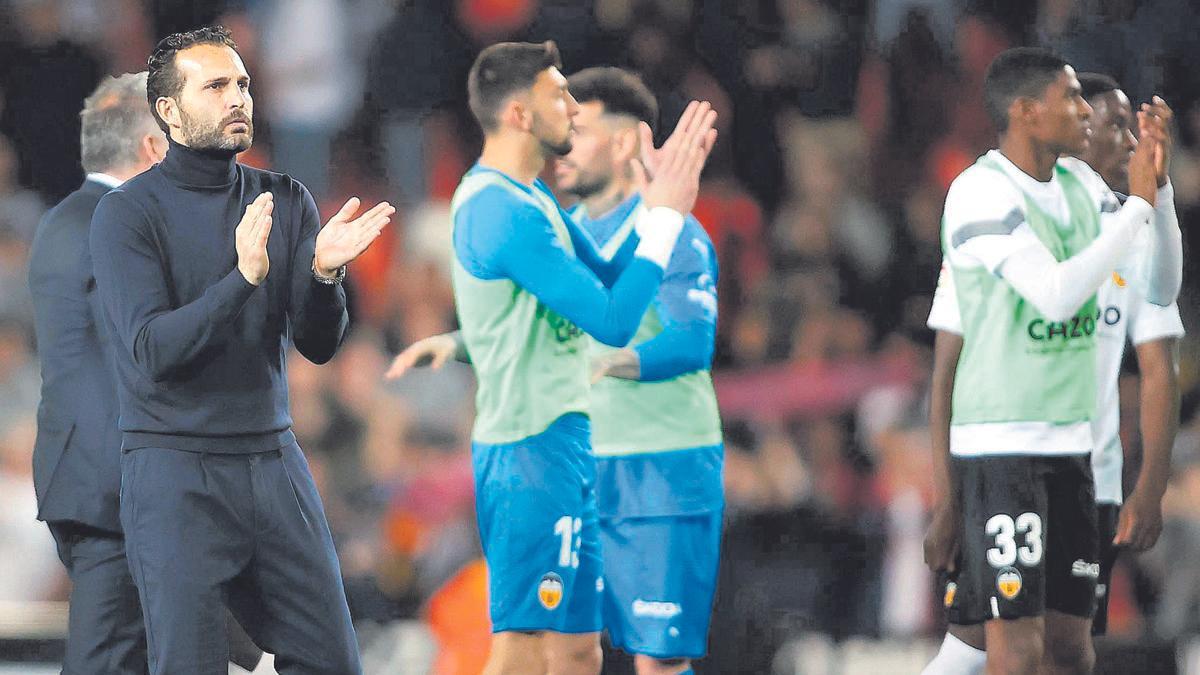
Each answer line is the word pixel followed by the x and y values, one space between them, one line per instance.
pixel 1030 540
pixel 1107 515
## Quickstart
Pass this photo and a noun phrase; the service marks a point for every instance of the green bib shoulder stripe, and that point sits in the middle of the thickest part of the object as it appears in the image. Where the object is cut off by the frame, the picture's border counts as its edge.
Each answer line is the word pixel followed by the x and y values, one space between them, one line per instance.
pixel 1016 366
pixel 1005 225
pixel 530 362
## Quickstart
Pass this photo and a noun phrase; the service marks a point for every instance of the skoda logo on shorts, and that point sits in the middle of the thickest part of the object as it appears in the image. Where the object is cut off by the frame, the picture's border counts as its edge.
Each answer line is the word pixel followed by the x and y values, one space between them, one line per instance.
pixel 1008 582
pixel 550 590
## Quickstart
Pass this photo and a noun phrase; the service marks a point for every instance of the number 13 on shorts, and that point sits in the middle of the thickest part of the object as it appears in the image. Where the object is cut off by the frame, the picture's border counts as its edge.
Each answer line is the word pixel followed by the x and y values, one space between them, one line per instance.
pixel 1003 529
pixel 568 530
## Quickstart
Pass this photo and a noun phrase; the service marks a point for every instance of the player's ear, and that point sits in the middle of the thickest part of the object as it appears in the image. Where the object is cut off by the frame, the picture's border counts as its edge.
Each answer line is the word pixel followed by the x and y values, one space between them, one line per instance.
pixel 624 147
pixel 1024 109
pixel 517 113
pixel 153 147
pixel 625 144
pixel 168 109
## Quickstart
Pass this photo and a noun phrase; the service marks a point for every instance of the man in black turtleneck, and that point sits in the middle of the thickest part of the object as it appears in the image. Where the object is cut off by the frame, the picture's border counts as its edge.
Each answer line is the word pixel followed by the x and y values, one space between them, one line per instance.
pixel 206 269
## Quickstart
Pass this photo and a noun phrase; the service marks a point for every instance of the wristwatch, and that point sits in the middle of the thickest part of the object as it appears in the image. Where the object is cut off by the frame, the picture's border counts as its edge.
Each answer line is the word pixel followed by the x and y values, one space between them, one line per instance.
pixel 337 278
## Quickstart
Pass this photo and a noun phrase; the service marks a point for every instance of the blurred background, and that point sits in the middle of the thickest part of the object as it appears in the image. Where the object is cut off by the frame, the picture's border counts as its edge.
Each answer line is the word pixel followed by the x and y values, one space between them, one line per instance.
pixel 842 124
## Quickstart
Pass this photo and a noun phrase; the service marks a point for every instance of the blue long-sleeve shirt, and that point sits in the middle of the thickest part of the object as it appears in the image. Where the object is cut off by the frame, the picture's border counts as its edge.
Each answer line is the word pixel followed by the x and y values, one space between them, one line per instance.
pixel 201 352
pixel 500 238
pixel 658 441
pixel 686 302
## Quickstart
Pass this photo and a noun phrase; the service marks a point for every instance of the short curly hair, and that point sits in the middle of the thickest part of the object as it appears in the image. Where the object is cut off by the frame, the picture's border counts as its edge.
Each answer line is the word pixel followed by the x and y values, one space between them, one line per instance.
pixel 1020 72
pixel 1095 84
pixel 163 78
pixel 502 70
pixel 621 92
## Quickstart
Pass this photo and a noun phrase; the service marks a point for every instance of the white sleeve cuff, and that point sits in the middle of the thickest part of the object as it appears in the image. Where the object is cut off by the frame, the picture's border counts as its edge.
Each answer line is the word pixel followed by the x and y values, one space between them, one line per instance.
pixel 658 229
pixel 1163 265
pixel 1166 193
pixel 1137 210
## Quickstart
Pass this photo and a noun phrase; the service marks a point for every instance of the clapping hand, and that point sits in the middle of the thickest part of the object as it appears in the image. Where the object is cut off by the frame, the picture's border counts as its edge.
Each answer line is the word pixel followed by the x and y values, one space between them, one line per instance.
pixel 345 237
pixel 250 239
pixel 1158 116
pixel 670 176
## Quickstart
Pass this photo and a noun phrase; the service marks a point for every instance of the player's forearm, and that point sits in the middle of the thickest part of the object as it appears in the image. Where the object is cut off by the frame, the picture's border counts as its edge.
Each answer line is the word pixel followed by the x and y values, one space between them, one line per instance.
pixel 566 285
pixel 1159 412
pixel 631 294
pixel 1163 265
pixel 1059 289
pixel 626 304
pixel 607 270
pixel 947 348
pixel 612 315
pixel 677 350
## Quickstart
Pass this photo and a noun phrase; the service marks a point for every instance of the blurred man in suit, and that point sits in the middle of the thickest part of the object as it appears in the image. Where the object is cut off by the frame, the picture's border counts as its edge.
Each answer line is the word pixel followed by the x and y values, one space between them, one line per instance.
pixel 77 456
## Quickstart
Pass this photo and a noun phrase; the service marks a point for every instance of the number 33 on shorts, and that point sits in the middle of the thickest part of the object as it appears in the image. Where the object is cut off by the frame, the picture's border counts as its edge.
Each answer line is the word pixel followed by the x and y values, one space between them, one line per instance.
pixel 1003 529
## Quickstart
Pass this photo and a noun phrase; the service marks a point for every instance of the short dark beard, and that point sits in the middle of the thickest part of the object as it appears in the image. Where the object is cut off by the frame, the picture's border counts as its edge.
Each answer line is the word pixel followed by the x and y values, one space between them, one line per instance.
pixel 549 147
pixel 214 139
pixel 556 149
pixel 584 189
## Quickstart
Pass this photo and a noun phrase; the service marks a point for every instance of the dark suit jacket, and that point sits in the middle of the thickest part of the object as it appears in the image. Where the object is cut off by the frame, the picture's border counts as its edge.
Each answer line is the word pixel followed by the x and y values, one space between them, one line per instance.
pixel 77 456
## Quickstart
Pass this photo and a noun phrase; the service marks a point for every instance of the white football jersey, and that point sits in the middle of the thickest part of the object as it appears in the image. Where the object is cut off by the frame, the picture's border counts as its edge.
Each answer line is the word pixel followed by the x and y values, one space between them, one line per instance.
pixel 1124 313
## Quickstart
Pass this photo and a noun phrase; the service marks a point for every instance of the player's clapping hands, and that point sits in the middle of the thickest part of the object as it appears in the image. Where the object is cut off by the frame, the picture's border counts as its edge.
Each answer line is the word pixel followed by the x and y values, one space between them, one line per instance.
pixel 670 176
pixel 344 237
pixel 1143 167
pixel 1158 116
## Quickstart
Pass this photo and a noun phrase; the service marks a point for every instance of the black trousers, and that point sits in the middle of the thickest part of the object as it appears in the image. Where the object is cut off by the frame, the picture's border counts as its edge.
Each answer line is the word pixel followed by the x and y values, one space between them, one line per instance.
pixel 104 632
pixel 208 530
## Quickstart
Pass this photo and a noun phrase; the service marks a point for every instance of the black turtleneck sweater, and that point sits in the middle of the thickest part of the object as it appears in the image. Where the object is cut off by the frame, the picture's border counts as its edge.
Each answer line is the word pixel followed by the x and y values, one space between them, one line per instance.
pixel 200 354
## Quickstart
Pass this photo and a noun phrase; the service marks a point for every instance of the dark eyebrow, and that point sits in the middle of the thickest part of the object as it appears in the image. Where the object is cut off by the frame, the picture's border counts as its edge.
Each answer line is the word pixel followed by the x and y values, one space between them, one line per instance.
pixel 216 80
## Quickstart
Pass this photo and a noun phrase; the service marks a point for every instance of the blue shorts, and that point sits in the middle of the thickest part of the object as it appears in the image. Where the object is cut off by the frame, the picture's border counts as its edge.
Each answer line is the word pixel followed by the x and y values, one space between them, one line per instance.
pixel 536 506
pixel 660 574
